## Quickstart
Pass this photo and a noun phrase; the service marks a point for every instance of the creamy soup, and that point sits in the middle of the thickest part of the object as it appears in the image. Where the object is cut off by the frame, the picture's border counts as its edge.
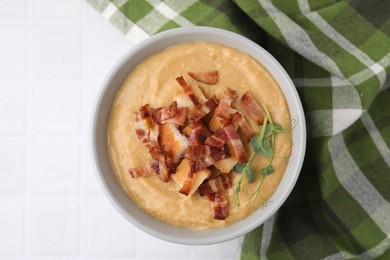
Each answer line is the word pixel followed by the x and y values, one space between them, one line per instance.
pixel 153 82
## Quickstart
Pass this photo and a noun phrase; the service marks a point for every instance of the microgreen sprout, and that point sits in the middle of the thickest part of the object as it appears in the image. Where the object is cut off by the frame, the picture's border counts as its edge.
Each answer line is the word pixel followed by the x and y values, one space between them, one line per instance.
pixel 264 145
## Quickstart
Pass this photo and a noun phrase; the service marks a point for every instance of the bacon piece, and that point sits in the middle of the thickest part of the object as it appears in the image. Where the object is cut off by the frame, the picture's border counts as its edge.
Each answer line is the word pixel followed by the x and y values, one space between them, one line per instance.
pixel 224 110
pixel 239 121
pixel 211 156
pixel 219 183
pixel 218 139
pixel 183 100
pixel 210 104
pixel 198 113
pixel 195 151
pixel 170 115
pixel 199 164
pixel 219 202
pixel 188 129
pixel 148 170
pixel 146 132
pixel 252 108
pixel 164 162
pixel 219 154
pixel 188 91
pixel 210 77
pixel 234 144
pixel 198 135
pixel 200 109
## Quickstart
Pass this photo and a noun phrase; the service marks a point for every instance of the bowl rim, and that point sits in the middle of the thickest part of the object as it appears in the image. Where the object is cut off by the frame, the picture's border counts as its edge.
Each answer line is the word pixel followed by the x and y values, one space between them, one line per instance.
pixel 206 240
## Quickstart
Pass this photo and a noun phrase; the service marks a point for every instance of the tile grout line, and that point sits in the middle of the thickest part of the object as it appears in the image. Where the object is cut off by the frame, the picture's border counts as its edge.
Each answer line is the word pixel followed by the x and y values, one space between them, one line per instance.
pixel 29 129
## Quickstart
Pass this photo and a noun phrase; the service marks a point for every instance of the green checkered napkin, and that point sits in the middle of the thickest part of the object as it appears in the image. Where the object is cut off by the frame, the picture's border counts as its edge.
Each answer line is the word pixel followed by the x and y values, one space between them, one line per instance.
pixel 338 55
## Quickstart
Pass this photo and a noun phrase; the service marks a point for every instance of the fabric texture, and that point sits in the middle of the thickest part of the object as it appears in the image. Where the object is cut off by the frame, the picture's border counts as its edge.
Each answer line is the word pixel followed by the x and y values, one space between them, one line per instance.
pixel 338 55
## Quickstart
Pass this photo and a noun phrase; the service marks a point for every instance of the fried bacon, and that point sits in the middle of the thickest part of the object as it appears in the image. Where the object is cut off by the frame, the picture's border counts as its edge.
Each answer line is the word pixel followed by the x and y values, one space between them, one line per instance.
pixel 210 157
pixel 223 112
pixel 210 77
pixel 219 183
pixel 200 109
pixel 148 170
pixel 196 149
pixel 170 115
pixel 189 128
pixel 146 132
pixel 197 114
pixel 252 108
pixel 239 121
pixel 234 144
pixel 218 139
pixel 198 134
pixel 188 91
pixel 225 109
pixel 219 202
pixel 164 162
pixel 217 154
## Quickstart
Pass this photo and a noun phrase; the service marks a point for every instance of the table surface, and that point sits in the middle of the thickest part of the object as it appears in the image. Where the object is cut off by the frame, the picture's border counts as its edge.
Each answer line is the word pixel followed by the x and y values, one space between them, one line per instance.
pixel 54 55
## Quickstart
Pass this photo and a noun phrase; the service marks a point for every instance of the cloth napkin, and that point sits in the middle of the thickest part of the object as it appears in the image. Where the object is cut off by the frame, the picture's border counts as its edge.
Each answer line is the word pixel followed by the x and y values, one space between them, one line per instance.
pixel 338 55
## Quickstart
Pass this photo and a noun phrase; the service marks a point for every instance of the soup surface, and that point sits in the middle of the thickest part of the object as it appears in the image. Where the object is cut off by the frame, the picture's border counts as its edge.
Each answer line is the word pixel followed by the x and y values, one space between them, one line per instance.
pixel 154 82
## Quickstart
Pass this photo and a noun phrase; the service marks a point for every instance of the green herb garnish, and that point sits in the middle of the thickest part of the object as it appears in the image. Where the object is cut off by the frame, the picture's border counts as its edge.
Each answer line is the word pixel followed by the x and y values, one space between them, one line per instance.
pixel 264 145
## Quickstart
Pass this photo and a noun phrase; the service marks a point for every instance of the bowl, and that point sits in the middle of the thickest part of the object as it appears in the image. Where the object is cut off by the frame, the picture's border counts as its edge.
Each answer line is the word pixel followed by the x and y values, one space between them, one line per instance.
pixel 102 109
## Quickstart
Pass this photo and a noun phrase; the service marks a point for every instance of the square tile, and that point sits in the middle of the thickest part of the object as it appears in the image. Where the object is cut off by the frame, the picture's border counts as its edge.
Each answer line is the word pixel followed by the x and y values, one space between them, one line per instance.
pixel 226 250
pixel 12 226
pixel 160 248
pixel 54 228
pixel 90 183
pixel 55 168
pixel 57 108
pixel 13 154
pixel 13 50
pixel 107 233
pixel 57 9
pixel 90 92
pixel 13 108
pixel 104 46
pixel 11 9
pixel 92 14
pixel 57 50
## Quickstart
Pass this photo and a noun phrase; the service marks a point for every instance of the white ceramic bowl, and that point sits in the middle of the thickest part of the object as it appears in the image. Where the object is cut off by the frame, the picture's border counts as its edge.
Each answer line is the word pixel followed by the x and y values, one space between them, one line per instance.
pixel 103 104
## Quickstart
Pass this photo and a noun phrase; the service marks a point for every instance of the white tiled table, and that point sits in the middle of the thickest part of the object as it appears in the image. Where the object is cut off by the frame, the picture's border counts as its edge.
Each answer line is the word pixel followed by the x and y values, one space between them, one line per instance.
pixel 53 57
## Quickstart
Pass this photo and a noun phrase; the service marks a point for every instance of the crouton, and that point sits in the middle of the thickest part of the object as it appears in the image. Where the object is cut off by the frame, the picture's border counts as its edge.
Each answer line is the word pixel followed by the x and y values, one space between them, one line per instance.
pixel 216 122
pixel 226 165
pixel 175 144
pixel 181 176
pixel 183 100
